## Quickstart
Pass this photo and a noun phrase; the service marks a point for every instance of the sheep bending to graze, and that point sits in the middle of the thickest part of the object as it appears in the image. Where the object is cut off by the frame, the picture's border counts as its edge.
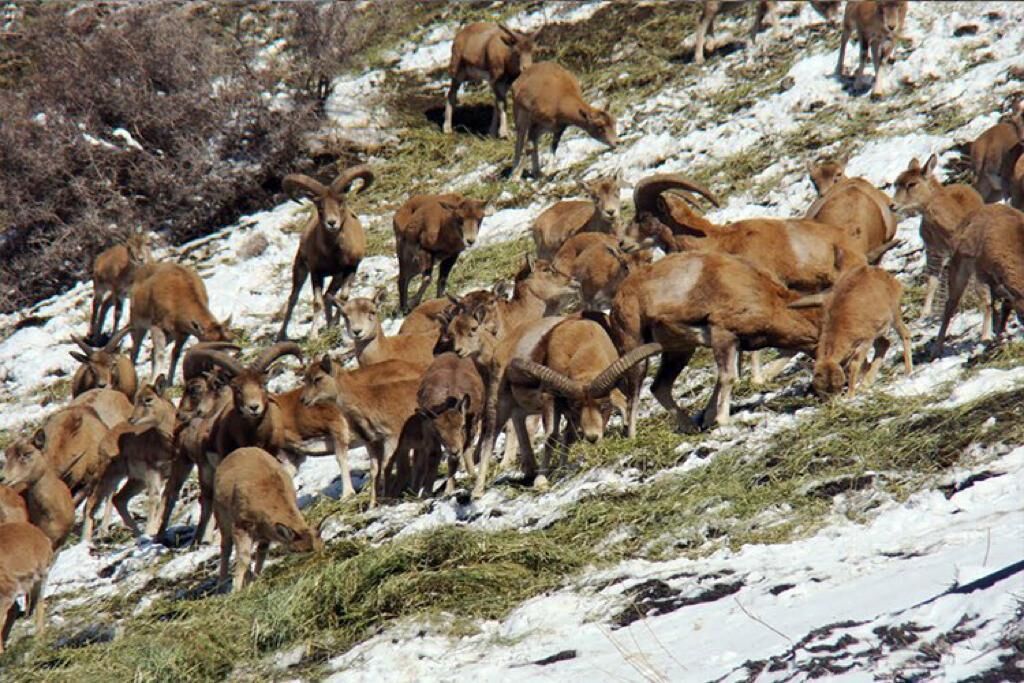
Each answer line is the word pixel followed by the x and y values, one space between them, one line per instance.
pixel 171 300
pixel 254 418
pixel 599 263
pixel 254 501
pixel 600 213
pixel 705 299
pixel 991 247
pixel 878 24
pixel 104 368
pixel 857 315
pixel 47 499
pixel 450 402
pixel 12 505
pixel 989 153
pixel 429 230
pixel 483 51
pixel 140 452
pixel 712 8
pixel 112 275
pixel 375 400
pixel 853 204
pixel 943 210
pixel 25 559
pixel 362 322
pixel 547 99
pixel 332 242
pixel 578 363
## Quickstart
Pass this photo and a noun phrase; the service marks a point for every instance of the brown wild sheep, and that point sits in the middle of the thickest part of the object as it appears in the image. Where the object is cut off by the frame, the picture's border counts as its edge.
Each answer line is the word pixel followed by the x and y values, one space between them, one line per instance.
pixel 254 501
pixel 25 559
pixel 989 154
pixel 47 498
pixel 943 210
pixel 140 452
pixel 112 275
pixel 483 51
pixel 332 242
pixel 853 204
pixel 668 197
pixel 705 299
pixel 1013 176
pixel 712 8
pixel 171 300
pixel 857 315
pixel 429 230
pixel 878 24
pixel 991 247
pixel 362 322
pixel 111 406
pixel 375 400
pixel 599 263
pixel 104 367
pixel 71 442
pixel 547 98
pixel 569 217
pixel 12 506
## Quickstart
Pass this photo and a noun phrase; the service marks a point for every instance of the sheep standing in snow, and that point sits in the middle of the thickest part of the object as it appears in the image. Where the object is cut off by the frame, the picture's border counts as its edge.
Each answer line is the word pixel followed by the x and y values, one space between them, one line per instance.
pixel 878 24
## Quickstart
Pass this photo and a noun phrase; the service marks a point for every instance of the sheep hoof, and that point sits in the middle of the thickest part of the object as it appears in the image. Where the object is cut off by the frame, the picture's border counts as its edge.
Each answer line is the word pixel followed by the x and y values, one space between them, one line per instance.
pixel 540 483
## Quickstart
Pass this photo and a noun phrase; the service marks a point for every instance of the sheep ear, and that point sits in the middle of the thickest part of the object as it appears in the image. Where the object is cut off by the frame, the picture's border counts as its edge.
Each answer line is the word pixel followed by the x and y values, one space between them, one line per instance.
pixel 80 357
pixel 380 296
pixel 933 161
pixel 325 364
pixel 39 439
pixel 160 384
pixel 914 164
pixel 286 533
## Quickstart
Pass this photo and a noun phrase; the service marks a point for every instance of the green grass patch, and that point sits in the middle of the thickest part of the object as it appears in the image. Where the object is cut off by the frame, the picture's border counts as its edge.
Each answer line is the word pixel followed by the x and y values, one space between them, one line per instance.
pixel 484 266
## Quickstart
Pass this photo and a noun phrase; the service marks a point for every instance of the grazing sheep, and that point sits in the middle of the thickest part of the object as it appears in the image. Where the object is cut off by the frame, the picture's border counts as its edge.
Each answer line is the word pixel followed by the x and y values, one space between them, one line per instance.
pixel 569 217
pixel 483 51
pixel 429 230
pixel 547 99
pixel 254 501
pixel 171 300
pixel 857 315
pixel 25 559
pixel 332 242
pixel 112 275
pixel 990 246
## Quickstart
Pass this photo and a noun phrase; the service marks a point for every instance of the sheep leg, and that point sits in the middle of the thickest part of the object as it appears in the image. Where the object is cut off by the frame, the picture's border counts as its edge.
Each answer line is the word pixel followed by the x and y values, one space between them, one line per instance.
pixel 554 440
pixel 522 128
pixel 37 599
pixel 180 469
pixel 556 138
pixel 449 104
pixel 426 277
pixel 159 347
pixel 634 381
pixel 118 310
pixel 226 544
pixel 986 312
pixel 261 557
pixel 156 504
pixel 881 347
pixel 405 276
pixel 726 350
pixel 101 492
pixel 1001 315
pixel 131 488
pixel 243 559
pixel 179 346
pixel 206 474
pixel 672 363
pixel 858 75
pixel 511 456
pixel 529 460
pixel 904 332
pixel 299 274
pixel 376 456
pixel 756 371
pixel 8 613
pixel 317 282
pixel 535 150
pixel 707 18
pixel 339 444
pixel 99 313
pixel 339 289
pixel 847 30
pixel 138 336
pixel 443 270
pixel 879 63
pixel 959 273
pixel 854 368
pixel 498 409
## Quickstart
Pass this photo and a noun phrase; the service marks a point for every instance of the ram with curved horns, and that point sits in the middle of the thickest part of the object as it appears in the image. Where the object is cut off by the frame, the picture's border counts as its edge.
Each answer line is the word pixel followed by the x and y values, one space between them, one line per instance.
pixel 332 243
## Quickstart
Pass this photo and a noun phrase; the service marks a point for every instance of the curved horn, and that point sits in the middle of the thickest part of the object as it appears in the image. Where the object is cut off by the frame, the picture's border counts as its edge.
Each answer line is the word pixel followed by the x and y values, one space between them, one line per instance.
pixel 274 352
pixel 809 301
pixel 344 181
pixel 550 379
pixel 878 252
pixel 603 383
pixel 82 344
pixel 220 359
pixel 216 346
pixel 115 341
pixel 648 189
pixel 295 183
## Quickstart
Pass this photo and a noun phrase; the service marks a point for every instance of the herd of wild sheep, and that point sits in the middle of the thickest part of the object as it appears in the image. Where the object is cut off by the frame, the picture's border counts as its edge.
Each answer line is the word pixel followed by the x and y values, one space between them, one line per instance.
pixel 461 368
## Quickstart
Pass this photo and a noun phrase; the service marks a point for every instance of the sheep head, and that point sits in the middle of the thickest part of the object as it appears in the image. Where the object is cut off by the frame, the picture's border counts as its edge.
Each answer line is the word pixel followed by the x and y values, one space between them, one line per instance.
pixel 604 192
pixel 470 332
pixel 829 378
pixel 24 462
pixel 468 214
pixel 249 383
pixel 329 200
pixel 319 385
pixel 546 282
pixel 137 245
pixel 152 408
pixel 599 124
pixel 100 364
pixel 915 186
pixel 826 174
pixel 522 46
pixel 889 12
pixel 449 423
pixel 362 318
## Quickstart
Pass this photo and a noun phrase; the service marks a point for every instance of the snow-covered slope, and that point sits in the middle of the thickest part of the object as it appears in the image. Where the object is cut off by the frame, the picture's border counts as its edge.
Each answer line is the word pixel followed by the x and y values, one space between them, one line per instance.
pixel 927 585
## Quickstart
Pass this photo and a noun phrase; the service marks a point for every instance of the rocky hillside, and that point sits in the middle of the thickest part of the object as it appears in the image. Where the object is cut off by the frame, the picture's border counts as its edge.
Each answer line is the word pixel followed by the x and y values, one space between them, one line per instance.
pixel 879 537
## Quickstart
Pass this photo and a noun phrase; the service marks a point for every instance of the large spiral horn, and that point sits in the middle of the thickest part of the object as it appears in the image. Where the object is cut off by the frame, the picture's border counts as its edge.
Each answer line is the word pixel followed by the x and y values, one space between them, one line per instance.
pixel 647 190
pixel 298 183
pixel 115 341
pixel 231 365
pixel 605 382
pixel 551 380
pixel 269 355
pixel 344 181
